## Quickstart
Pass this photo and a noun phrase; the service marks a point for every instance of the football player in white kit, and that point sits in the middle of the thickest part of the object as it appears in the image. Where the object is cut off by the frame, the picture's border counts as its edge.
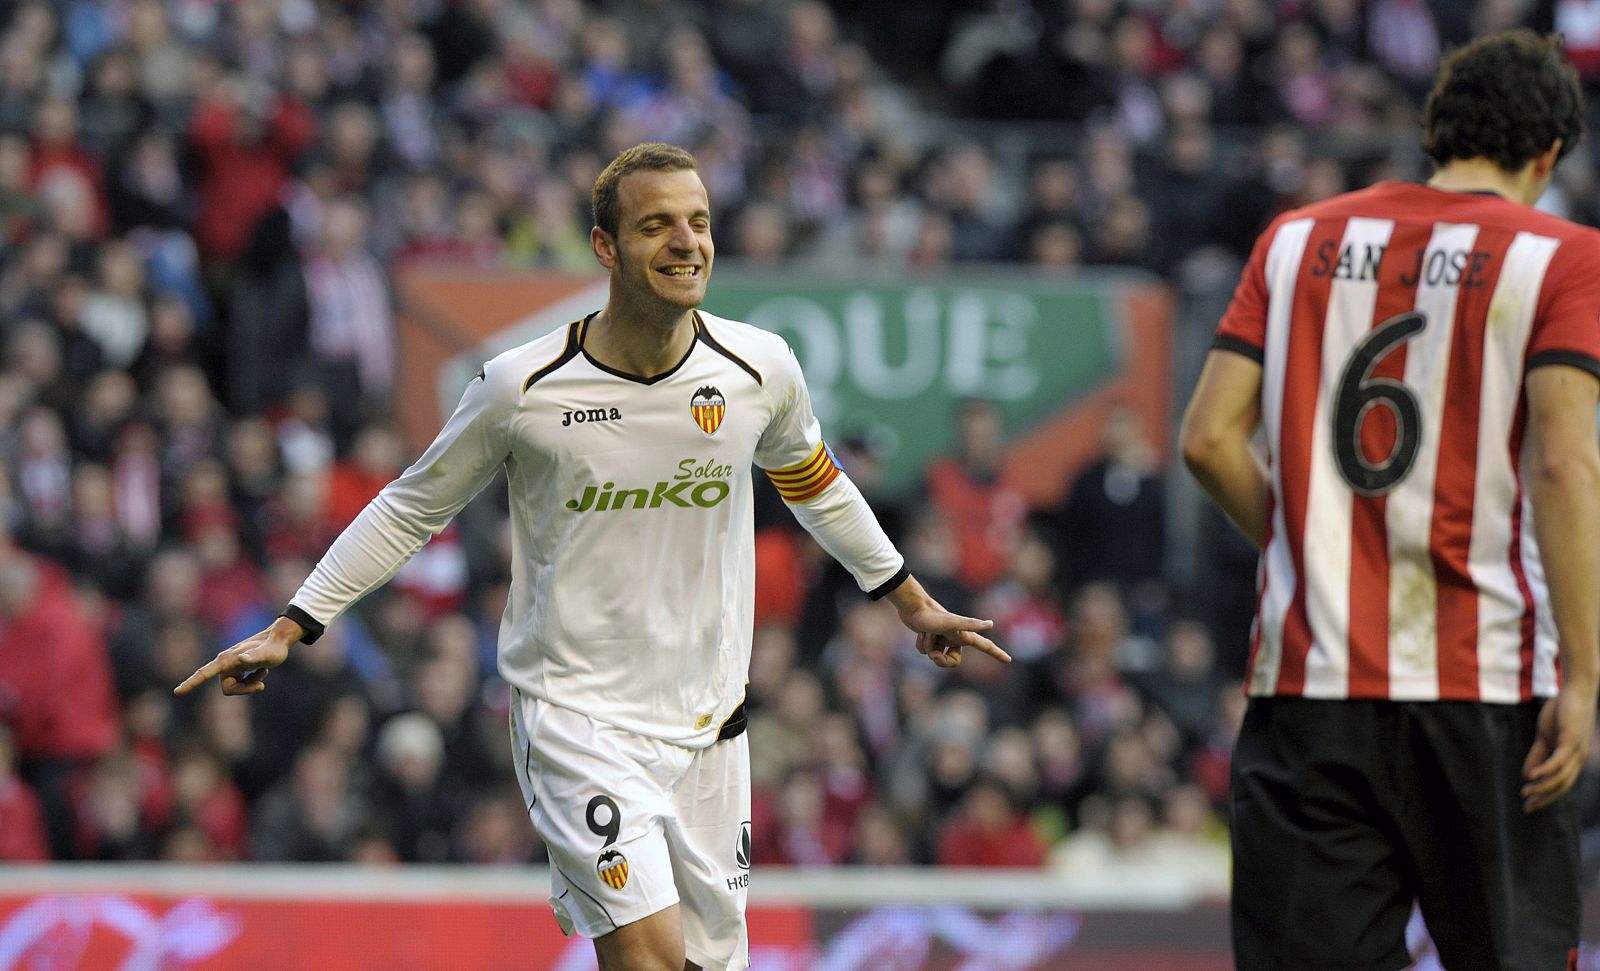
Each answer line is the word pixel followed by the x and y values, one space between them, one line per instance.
pixel 627 440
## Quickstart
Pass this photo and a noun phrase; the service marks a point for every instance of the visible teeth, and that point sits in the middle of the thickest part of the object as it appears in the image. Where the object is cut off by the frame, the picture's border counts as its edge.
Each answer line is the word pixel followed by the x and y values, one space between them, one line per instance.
pixel 681 270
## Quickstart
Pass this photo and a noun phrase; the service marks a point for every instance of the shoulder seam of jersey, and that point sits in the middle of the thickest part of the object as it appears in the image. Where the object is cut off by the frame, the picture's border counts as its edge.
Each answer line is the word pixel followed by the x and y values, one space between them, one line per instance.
pixel 716 345
pixel 568 352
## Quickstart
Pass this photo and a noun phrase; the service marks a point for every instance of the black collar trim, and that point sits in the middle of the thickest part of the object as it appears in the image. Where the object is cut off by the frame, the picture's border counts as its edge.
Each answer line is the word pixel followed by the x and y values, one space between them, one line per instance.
pixel 627 375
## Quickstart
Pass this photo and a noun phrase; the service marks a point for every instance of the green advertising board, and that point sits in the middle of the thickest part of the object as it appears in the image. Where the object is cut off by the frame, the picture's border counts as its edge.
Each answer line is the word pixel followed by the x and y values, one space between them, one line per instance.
pixel 893 358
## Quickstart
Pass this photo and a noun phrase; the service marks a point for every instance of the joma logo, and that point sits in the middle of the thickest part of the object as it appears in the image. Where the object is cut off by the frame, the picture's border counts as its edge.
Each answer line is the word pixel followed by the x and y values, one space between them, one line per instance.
pixel 583 415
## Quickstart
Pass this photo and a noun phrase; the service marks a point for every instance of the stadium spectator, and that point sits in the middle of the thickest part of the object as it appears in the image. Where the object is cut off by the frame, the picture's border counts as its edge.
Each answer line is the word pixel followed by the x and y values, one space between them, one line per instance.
pixel 350 328
pixel 376 456
pixel 58 696
pixel 417 805
pixel 312 816
pixel 119 805
pixel 1112 524
pixel 793 828
pixel 988 831
pixel 970 487
pixel 245 140
pixel 495 832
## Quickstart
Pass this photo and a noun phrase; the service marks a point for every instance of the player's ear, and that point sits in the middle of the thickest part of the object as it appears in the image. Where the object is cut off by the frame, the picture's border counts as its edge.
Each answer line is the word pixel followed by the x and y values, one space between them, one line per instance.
pixel 1546 162
pixel 605 248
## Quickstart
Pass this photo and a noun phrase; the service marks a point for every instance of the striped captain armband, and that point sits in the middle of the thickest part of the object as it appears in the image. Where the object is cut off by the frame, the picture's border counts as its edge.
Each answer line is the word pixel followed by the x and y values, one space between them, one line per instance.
pixel 804 482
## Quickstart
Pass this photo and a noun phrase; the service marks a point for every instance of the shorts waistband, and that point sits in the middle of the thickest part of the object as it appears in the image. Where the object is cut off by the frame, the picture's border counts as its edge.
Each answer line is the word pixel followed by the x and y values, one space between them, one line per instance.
pixel 734 725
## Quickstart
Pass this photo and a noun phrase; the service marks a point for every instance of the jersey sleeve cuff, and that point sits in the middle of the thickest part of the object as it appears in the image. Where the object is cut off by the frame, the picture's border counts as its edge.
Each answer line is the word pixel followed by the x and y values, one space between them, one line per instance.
pixel 313 627
pixel 1577 359
pixel 890 585
pixel 1238 345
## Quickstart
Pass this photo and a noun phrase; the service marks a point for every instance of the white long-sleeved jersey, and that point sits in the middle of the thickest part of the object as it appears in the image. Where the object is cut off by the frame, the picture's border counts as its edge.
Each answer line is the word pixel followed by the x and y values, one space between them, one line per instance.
pixel 633 565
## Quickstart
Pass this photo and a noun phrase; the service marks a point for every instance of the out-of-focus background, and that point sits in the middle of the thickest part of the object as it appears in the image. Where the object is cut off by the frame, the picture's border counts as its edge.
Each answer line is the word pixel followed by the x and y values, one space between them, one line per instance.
pixel 251 251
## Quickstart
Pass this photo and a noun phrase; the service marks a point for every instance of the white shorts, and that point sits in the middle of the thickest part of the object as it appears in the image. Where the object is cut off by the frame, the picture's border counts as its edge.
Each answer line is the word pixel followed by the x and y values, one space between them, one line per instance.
pixel 635 825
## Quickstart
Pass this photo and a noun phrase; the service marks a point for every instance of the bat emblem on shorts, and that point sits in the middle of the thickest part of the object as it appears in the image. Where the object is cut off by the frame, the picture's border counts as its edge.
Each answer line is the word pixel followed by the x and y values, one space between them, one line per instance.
pixel 613 869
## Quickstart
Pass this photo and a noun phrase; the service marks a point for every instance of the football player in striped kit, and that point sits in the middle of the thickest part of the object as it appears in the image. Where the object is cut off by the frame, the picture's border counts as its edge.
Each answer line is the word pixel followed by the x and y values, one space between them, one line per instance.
pixel 1421 362
pixel 628 439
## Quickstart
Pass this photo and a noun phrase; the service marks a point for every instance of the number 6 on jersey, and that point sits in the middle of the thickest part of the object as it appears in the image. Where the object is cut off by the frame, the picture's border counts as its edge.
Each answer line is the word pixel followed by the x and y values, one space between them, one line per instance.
pixel 1358 391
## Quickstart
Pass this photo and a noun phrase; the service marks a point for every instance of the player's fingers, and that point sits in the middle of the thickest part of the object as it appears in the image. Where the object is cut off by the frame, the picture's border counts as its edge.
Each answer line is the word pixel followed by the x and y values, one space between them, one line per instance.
pixel 1535 798
pixel 205 673
pixel 946 622
pixel 1557 773
pixel 1554 777
pixel 1559 757
pixel 985 645
pixel 242 676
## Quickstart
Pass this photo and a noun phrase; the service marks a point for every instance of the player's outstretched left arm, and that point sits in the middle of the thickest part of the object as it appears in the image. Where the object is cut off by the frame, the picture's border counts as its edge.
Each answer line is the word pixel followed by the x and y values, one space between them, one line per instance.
pixel 940 634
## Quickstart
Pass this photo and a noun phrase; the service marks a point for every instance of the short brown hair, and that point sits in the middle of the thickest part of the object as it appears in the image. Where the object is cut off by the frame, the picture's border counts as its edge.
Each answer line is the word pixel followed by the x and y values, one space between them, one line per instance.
pixel 1506 97
pixel 649 157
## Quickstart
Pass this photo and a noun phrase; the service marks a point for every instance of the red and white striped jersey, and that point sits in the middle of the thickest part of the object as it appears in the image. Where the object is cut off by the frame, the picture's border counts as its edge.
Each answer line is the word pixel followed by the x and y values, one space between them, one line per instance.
pixel 1394 327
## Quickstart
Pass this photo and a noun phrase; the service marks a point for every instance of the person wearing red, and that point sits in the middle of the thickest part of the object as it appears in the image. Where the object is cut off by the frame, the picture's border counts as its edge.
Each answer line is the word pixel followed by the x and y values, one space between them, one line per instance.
pixel 986 510
pixel 56 692
pixel 377 455
pixel 61 165
pixel 55 680
pixel 988 831
pixel 1422 362
pixel 245 145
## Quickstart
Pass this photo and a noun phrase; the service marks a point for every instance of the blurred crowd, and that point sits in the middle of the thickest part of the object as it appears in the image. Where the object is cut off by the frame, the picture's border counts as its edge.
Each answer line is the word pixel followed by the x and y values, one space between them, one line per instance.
pixel 203 205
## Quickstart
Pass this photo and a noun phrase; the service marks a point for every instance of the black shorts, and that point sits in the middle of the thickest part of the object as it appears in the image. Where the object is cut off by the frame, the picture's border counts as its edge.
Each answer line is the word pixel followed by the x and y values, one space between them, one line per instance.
pixel 1344 813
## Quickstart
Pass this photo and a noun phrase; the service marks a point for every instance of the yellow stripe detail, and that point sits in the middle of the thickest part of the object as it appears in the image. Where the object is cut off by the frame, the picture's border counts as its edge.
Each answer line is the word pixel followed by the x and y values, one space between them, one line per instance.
pixel 813 491
pixel 819 454
pixel 796 485
pixel 806 480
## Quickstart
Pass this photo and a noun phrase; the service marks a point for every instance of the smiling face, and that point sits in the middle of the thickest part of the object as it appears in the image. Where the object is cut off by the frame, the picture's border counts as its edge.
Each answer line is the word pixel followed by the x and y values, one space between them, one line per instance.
pixel 661 255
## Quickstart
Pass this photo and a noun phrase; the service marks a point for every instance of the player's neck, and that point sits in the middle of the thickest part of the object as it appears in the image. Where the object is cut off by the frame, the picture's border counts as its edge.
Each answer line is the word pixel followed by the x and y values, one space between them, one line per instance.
pixel 639 343
pixel 1482 175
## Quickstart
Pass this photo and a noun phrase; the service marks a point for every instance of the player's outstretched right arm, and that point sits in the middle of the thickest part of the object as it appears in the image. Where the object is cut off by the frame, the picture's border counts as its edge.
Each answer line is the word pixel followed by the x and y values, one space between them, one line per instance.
pixel 388 532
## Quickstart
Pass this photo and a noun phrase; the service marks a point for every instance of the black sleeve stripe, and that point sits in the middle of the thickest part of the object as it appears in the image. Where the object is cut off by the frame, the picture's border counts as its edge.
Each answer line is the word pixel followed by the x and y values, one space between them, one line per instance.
pixel 711 342
pixel 1577 359
pixel 1227 342
pixel 890 585
pixel 314 628
pixel 568 352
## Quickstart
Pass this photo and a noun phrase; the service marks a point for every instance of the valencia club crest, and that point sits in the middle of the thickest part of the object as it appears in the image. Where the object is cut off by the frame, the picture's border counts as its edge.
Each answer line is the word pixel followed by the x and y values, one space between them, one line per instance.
pixel 708 406
pixel 613 869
